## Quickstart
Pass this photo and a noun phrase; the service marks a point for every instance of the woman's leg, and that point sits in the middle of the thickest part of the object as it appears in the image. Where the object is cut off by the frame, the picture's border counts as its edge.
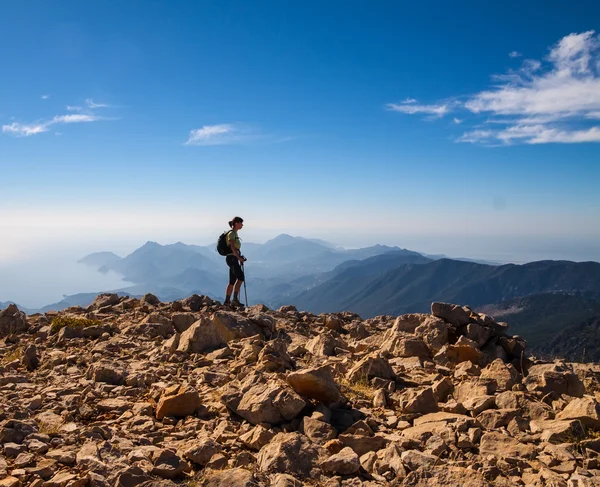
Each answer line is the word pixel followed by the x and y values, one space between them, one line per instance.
pixel 239 275
pixel 232 279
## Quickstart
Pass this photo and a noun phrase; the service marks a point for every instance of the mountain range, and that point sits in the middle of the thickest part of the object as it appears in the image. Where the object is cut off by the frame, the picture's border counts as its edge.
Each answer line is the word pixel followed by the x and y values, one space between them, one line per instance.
pixel 540 300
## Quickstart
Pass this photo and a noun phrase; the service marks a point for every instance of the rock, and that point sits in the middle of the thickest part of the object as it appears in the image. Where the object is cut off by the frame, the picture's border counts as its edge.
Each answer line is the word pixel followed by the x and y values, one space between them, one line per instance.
pixel 415 459
pixel 257 437
pixel 557 431
pixel 285 480
pixel 418 401
pixel 450 355
pixel 105 372
pixel 235 477
pixel 182 321
pixel 151 329
pixel 180 401
pixel 12 321
pixel 289 453
pixel 505 375
pixel 444 476
pixel 408 323
pixel 361 443
pixel 265 403
pixel 452 313
pixel 492 419
pixel 434 332
pixel 316 383
pixel 585 409
pixel 373 365
pixel 169 465
pixel 200 337
pixel 10 482
pixel 345 462
pixel 231 326
pixel 104 300
pixel 324 345
pixel 202 450
pixel 479 334
pixel 150 299
pixel 14 431
pixel 30 360
pixel 554 380
pixel 274 356
pixel 503 446
pixel 318 431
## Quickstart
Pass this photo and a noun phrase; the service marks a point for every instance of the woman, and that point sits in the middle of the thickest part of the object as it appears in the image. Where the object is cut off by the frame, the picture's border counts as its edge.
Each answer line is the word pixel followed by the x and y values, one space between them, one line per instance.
pixel 235 260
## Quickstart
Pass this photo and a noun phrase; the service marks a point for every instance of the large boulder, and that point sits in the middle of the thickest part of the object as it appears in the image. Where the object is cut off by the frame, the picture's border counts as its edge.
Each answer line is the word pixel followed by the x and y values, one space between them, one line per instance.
pixel 452 313
pixel 345 462
pixel 505 375
pixel 291 453
pixel 234 477
pixel 232 326
pixel 12 321
pixel 316 383
pixel 271 403
pixel 202 336
pixel 105 300
pixel 585 409
pixel 554 379
pixel 178 401
pixel 505 447
pixel 373 365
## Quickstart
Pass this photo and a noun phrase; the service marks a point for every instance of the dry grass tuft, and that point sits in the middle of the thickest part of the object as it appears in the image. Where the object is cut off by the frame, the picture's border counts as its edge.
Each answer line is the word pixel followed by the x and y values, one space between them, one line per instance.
pixel 360 389
pixel 72 322
pixel 15 354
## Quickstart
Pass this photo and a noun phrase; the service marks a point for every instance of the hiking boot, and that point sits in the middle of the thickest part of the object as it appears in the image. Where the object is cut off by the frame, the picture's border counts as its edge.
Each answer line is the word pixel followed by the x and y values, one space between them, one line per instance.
pixel 235 303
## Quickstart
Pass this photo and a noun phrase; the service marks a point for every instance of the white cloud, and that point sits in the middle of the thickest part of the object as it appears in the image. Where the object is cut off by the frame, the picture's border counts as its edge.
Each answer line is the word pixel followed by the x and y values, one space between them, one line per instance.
pixel 542 104
pixel 25 130
pixel 478 135
pixel 45 97
pixel 556 99
pixel 410 107
pixel 457 120
pixel 91 104
pixel 218 135
pixel 74 118
pixel 515 54
pixel 22 130
pixel 71 108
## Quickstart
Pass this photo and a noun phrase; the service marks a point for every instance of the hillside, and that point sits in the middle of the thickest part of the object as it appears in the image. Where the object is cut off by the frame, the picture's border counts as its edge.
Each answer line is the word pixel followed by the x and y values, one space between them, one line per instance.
pixel 410 287
pixel 192 393
pixel 555 324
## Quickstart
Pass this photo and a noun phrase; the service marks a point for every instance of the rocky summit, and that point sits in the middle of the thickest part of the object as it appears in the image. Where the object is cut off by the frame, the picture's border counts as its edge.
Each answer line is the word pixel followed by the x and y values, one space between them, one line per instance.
pixel 135 392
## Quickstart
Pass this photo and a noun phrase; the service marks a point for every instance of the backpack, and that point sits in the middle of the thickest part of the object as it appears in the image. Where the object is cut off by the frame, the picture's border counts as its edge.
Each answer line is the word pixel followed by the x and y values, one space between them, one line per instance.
pixel 222 246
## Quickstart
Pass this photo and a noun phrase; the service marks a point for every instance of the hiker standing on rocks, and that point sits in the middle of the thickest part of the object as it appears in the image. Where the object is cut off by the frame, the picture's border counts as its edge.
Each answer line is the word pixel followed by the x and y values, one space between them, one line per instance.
pixel 235 260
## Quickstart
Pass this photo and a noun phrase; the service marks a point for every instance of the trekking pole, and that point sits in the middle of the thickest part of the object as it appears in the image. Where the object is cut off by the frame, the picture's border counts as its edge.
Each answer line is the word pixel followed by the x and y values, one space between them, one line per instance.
pixel 245 292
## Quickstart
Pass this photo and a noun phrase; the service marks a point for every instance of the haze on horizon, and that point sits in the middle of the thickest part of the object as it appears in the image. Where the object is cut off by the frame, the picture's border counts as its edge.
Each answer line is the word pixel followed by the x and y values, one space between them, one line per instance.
pixel 358 124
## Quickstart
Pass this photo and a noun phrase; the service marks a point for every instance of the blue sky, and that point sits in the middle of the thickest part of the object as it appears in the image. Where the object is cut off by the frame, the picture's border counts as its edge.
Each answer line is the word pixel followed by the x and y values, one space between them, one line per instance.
pixel 359 122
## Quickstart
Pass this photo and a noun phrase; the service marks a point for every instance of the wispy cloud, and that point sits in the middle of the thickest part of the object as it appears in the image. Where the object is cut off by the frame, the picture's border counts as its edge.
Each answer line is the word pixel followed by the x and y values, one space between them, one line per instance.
pixel 24 130
pixel 411 107
pixel 91 104
pixel 74 118
pixel 515 54
pixel 72 108
pixel 221 134
pixel 17 129
pixel 552 100
pixel 45 97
